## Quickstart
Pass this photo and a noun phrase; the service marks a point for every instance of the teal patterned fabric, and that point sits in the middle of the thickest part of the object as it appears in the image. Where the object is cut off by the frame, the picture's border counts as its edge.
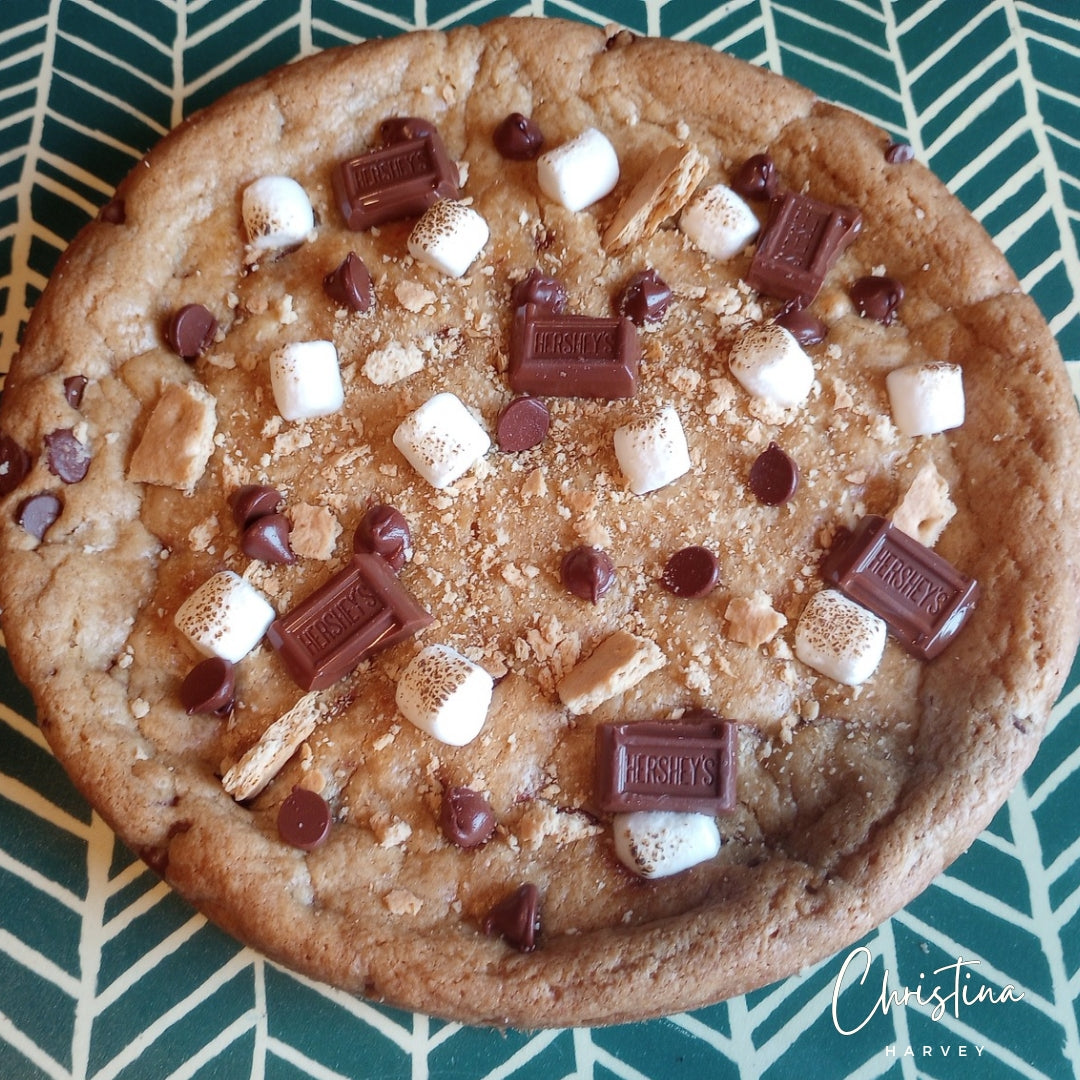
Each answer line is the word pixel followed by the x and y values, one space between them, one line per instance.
pixel 105 973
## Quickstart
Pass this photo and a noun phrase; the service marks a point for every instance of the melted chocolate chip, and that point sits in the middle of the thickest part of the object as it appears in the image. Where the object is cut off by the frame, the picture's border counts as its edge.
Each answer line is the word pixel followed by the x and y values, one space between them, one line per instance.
pixel 877 298
pixel 349 286
pixel 267 539
pixel 36 513
pixel 304 819
pixel 691 572
pixel 645 298
pixel 898 153
pixel 67 457
pixel 805 328
pixel 253 501
pixel 209 687
pixel 774 477
pixel 191 331
pixel 113 212
pixel 518 138
pixel 466 818
pixel 396 129
pixel 537 288
pixel 517 918
pixel 14 464
pixel 523 424
pixel 384 531
pixel 74 386
pixel 756 178
pixel 587 572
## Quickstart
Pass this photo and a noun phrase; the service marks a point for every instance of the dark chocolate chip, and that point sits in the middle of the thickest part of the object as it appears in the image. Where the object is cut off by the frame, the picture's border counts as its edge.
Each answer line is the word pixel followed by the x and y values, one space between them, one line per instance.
pixel 466 817
pixel 774 476
pixel 518 138
pixel 404 128
pixel 253 501
pixel 113 212
pixel 191 331
pixel 805 328
pixel 67 457
pixel 756 178
pixel 517 918
pixel 349 286
pixel 691 572
pixel 304 819
pixel 36 513
pixel 209 687
pixel 384 531
pixel 877 298
pixel 898 153
pixel 74 386
pixel 587 572
pixel 538 288
pixel 523 424
pixel 267 539
pixel 645 298
pixel 14 464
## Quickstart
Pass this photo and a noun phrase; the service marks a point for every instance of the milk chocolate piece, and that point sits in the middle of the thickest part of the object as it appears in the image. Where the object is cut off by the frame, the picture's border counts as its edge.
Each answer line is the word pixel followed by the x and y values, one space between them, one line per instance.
pixel 539 288
pixel 383 531
pixel 877 298
pixel 190 331
pixel 395 181
pixel 922 598
pixel 349 286
pixel 517 918
pixel 684 765
pixel 466 817
pixel 304 819
pixel 801 240
pixel 209 687
pixel 38 512
pixel 587 572
pixel 66 456
pixel 522 424
pixel 361 610
pixel 253 501
pixel 518 138
pixel 573 355
pixel 645 298
pixel 267 539
pixel 756 178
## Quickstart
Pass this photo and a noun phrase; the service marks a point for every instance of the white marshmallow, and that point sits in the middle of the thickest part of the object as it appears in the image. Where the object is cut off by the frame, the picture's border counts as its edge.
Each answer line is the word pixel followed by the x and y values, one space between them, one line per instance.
pixel 277 213
pixel 225 617
pixel 926 398
pixel 306 379
pixel 441 440
pixel 659 843
pixel 652 450
pixel 445 694
pixel 719 222
pixel 839 638
pixel 579 172
pixel 771 364
pixel 449 236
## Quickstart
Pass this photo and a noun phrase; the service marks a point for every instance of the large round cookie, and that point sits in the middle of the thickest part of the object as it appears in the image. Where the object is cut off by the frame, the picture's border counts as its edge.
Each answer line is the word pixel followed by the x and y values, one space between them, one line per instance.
pixel 849 799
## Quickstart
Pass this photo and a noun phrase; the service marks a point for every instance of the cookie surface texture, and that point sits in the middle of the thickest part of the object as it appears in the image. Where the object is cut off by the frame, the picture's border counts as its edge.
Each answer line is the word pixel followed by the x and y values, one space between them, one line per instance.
pixel 850 798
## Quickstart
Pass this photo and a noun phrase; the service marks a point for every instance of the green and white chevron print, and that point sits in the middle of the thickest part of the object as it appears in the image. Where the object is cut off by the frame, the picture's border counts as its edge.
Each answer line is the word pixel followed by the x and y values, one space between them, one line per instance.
pixel 106 975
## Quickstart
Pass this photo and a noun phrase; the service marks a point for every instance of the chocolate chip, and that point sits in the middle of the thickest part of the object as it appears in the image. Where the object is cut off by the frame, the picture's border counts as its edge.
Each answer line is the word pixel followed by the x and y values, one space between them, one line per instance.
pixel 113 212
pixel 518 138
pixel 540 289
pixel 805 328
pixel 304 819
pixel 349 286
pixel 14 464
pixel 523 424
pixel 517 918
pixel 877 298
pixel 67 457
pixel 253 501
pixel 898 153
pixel 384 531
pixel 209 687
pixel 466 818
pixel 691 572
pixel 190 331
pixel 645 298
pixel 74 386
pixel 587 572
pixel 756 178
pixel 774 477
pixel 267 539
pixel 36 513
pixel 404 128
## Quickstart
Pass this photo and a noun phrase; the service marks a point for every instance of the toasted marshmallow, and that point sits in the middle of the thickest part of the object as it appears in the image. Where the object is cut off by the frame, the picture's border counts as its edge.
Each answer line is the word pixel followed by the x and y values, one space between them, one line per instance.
pixel 839 638
pixel 441 440
pixel 449 236
pixel 579 172
pixel 277 213
pixel 445 694
pixel 770 364
pixel 306 379
pixel 926 398
pixel 719 222
pixel 652 450
pixel 225 617
pixel 659 843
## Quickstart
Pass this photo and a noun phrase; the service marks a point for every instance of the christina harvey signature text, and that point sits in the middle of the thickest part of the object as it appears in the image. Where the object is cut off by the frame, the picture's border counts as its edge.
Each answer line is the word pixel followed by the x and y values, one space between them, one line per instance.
pixel 951 990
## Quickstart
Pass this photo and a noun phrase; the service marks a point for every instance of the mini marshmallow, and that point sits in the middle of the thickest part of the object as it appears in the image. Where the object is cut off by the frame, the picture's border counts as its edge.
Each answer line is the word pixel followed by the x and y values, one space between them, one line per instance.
pixel 652 450
pixel 719 222
pixel 659 843
pixel 225 617
pixel 441 440
pixel 771 364
pixel 579 172
pixel 449 236
pixel 445 694
pixel 306 379
pixel 277 213
pixel 926 398
pixel 839 638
